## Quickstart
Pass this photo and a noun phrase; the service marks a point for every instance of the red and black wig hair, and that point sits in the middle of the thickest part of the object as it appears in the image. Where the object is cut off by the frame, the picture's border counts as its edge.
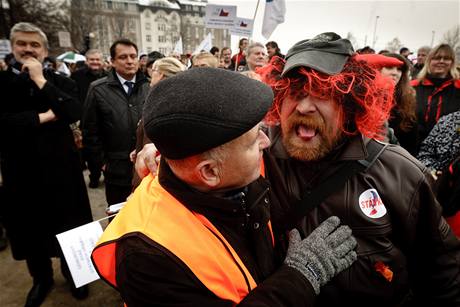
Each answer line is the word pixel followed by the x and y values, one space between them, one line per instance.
pixel 365 96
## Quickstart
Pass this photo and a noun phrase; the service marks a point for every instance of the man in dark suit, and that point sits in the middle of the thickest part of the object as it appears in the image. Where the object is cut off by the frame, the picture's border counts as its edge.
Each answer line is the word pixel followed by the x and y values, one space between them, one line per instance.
pixel 42 177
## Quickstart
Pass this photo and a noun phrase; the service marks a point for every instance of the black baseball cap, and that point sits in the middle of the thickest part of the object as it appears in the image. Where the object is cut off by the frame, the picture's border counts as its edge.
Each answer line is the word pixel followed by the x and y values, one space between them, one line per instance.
pixel 326 52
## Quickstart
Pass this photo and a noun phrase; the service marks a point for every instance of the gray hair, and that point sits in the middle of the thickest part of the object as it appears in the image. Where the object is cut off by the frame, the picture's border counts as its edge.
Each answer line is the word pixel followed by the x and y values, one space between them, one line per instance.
pixel 427 49
pixel 94 51
pixel 254 45
pixel 28 28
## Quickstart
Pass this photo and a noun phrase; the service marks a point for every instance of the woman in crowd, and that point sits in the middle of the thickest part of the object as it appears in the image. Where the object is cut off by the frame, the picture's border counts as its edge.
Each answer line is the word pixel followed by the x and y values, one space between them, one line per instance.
pixel 239 59
pixel 440 152
pixel 403 119
pixel 437 89
pixel 161 69
pixel 273 50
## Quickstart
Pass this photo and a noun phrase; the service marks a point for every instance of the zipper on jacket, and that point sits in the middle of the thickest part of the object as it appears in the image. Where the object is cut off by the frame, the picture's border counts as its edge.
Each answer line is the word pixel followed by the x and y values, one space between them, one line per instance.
pixel 245 211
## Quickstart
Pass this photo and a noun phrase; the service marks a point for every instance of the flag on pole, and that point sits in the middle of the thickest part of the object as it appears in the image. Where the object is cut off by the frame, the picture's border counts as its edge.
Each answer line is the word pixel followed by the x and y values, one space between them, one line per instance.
pixel 273 16
pixel 178 48
pixel 206 44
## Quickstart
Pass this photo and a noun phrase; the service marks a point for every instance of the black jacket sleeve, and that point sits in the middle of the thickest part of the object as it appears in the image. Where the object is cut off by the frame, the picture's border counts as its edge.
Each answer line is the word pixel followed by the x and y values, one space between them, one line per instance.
pixel 434 258
pixel 61 95
pixel 154 277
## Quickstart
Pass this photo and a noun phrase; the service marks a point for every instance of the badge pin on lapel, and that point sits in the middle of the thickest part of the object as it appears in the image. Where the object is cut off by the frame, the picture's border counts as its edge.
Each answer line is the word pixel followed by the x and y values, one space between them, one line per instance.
pixel 371 204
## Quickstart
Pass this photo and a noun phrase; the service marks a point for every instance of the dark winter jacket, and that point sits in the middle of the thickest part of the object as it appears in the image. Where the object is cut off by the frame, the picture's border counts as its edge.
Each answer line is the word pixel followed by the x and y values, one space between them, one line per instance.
pixel 404 247
pixel 42 176
pixel 109 124
pixel 83 77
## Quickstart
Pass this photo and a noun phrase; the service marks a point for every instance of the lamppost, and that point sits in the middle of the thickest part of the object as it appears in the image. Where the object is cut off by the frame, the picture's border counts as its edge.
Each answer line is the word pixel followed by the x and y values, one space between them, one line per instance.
pixel 375 32
pixel 87 41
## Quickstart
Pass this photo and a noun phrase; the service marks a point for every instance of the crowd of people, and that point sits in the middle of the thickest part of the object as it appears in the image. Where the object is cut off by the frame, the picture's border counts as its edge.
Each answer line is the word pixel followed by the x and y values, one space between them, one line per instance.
pixel 323 177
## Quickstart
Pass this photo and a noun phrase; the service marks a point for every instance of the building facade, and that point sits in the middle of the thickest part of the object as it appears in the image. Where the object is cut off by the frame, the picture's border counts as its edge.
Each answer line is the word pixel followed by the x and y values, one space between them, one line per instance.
pixel 151 24
pixel 104 21
pixel 163 22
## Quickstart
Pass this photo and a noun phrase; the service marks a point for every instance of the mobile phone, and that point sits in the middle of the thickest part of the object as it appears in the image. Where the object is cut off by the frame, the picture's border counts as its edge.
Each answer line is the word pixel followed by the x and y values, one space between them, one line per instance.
pixel 16 67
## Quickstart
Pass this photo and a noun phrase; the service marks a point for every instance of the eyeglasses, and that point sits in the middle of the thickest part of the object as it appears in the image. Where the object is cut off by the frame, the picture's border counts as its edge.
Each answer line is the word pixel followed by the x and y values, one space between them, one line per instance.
pixel 441 57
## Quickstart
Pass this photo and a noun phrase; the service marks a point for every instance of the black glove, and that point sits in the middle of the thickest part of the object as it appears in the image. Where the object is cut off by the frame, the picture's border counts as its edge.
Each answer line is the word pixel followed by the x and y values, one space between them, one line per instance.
pixel 326 252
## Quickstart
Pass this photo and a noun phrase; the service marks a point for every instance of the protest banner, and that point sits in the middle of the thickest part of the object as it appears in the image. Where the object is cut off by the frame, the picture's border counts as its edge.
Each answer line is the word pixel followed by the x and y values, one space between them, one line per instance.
pixel 220 16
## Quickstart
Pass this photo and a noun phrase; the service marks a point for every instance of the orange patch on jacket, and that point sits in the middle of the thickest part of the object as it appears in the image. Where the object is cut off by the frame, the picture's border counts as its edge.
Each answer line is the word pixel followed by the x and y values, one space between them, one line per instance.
pixel 385 270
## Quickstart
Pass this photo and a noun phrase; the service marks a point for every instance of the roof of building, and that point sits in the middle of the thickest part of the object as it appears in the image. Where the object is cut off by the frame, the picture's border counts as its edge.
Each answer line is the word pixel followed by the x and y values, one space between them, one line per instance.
pixel 161 3
pixel 191 2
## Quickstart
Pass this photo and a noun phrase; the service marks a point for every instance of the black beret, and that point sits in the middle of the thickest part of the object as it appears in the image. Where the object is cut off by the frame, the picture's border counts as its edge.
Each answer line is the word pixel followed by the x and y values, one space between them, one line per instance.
pixel 203 108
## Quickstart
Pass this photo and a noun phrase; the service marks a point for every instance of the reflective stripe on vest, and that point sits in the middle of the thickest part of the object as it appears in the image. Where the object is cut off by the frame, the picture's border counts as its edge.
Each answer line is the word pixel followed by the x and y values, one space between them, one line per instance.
pixel 152 211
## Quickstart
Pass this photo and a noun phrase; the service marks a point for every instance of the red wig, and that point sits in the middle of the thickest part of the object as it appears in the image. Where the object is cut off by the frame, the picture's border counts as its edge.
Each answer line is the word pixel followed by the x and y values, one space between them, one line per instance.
pixel 365 96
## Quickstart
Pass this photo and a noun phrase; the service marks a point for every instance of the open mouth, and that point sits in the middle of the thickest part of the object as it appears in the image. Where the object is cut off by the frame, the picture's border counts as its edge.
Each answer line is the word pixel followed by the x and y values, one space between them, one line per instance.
pixel 305 133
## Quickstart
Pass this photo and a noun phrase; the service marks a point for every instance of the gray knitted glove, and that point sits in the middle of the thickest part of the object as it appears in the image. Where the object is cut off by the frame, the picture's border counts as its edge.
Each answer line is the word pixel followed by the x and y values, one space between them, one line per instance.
pixel 326 252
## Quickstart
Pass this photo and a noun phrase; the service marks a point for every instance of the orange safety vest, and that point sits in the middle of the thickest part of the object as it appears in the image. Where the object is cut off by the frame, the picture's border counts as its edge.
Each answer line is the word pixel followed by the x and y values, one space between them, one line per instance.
pixel 152 211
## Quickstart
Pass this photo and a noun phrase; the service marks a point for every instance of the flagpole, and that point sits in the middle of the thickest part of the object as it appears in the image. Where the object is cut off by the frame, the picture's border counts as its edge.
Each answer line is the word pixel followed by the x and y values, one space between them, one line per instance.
pixel 255 13
pixel 253 20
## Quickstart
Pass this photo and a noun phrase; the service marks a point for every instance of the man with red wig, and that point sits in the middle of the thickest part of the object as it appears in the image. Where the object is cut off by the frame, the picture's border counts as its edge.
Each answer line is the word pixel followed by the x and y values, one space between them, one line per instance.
pixel 329 109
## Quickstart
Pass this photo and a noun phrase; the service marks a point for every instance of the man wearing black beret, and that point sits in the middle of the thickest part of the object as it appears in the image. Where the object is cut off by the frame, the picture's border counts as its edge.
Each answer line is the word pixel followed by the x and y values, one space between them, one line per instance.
pixel 199 234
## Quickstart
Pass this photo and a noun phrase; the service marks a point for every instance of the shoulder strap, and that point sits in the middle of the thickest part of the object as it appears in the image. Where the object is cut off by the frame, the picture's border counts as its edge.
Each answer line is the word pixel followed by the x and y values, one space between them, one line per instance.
pixel 312 198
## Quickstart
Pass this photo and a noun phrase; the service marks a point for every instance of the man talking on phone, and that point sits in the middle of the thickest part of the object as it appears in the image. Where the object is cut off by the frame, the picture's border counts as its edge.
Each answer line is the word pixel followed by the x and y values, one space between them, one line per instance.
pixel 42 177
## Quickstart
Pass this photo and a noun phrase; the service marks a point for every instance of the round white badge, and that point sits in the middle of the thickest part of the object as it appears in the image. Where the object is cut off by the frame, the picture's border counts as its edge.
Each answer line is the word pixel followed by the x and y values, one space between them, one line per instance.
pixel 371 204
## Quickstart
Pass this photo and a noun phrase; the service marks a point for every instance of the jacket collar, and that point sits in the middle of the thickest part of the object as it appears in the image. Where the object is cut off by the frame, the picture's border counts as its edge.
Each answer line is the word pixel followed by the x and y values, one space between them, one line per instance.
pixel 227 207
pixel 112 78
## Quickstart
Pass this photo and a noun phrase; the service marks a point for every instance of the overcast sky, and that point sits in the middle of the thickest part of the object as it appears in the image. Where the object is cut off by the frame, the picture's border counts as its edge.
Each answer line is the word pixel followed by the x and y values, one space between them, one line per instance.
pixel 413 22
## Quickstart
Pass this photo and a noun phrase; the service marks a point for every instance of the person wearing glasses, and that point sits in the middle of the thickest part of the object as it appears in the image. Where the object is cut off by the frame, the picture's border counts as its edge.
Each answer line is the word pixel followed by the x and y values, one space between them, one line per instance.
pixel 437 89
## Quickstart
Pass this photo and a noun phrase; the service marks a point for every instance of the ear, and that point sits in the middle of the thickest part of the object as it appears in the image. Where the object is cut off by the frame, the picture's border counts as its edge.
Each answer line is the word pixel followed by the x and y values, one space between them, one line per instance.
pixel 208 173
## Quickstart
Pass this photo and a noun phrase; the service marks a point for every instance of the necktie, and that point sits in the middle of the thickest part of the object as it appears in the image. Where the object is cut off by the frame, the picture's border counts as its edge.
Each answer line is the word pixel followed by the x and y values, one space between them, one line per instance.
pixel 130 85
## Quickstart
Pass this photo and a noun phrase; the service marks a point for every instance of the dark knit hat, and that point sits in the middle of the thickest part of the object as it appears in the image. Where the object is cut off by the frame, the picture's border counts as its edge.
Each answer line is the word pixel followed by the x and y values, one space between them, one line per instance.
pixel 203 108
pixel 326 52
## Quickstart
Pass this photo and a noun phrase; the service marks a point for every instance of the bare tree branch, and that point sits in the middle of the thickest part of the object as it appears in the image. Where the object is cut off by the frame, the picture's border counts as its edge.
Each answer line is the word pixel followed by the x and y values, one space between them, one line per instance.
pixel 394 45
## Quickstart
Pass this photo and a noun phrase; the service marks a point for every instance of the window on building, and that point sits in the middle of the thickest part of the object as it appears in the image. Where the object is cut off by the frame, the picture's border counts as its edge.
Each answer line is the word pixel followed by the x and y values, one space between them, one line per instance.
pixel 162 39
pixel 148 38
pixel 161 27
pixel 195 8
pixel 149 49
pixel 148 26
pixel 109 5
pixel 132 25
pixel 147 14
pixel 162 50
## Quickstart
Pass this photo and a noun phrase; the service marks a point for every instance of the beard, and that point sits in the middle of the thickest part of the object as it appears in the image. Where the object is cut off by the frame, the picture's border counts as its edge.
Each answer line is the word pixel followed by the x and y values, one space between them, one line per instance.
pixel 325 139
